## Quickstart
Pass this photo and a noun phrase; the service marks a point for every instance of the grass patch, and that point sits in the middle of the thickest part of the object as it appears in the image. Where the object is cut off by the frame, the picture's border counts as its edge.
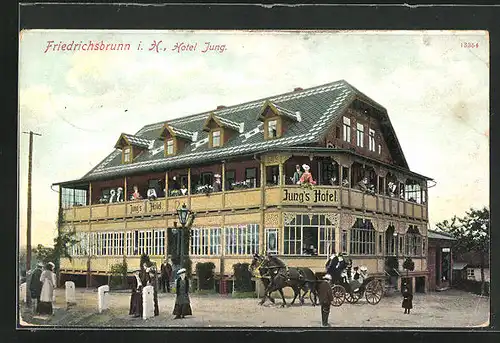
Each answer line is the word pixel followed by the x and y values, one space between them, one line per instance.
pixel 241 295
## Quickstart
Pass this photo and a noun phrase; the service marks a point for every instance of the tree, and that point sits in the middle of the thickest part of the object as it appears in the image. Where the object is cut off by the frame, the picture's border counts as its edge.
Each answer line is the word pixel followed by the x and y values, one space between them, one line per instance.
pixel 473 235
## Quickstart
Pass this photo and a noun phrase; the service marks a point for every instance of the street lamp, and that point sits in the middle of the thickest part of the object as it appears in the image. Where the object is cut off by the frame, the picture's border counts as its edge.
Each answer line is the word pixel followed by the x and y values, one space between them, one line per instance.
pixel 185 215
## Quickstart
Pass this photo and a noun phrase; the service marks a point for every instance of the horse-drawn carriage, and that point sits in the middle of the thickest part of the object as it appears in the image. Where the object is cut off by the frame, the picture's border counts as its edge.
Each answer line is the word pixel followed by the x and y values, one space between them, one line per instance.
pixel 345 287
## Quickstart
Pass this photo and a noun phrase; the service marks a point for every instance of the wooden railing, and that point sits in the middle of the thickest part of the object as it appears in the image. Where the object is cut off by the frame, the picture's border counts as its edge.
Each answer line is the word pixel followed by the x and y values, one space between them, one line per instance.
pixel 318 196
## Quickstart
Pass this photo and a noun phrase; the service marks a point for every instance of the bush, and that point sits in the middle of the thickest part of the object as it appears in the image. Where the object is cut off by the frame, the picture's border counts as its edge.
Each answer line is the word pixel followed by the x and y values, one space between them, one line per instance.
pixel 242 278
pixel 118 275
pixel 205 274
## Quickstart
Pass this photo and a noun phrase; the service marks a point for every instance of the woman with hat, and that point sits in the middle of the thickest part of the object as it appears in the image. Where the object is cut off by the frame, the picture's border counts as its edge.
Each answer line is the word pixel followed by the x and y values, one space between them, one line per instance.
pixel 136 296
pixel 48 280
pixel 217 185
pixel 306 176
pixel 182 306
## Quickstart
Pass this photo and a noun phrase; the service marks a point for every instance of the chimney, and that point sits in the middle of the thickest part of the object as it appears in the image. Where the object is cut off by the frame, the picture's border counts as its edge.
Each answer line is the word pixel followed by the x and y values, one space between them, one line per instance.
pixel 298 89
pixel 220 107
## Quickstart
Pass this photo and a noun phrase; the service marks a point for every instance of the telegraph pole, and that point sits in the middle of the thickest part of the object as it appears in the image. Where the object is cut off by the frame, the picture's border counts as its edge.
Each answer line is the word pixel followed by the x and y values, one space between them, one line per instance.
pixel 28 230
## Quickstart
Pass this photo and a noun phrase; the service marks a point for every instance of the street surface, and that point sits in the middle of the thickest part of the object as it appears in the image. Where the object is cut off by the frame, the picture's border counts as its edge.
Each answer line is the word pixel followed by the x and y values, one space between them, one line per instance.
pixel 452 308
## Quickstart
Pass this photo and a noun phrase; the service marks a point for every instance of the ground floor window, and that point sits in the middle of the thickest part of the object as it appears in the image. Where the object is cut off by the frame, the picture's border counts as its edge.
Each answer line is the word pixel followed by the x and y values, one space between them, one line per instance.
pixel 199 241
pixel 159 242
pixel 129 243
pixel 272 246
pixel 242 239
pixel 362 240
pixel 309 235
pixel 470 273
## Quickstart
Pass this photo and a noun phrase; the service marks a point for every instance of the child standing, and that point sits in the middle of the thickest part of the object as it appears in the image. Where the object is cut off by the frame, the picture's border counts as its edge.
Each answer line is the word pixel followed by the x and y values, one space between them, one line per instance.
pixel 407 300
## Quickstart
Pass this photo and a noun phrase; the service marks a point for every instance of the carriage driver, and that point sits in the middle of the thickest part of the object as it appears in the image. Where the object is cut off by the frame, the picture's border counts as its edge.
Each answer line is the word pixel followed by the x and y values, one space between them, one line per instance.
pixel 333 263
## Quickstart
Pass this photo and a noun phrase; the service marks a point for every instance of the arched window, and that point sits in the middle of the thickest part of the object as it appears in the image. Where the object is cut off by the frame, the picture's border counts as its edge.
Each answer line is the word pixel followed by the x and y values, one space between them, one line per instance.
pixel 362 238
pixel 413 241
pixel 391 240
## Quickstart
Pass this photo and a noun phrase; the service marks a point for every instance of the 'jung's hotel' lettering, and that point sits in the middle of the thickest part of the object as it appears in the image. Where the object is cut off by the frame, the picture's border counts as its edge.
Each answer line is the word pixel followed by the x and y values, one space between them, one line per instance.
pixel 310 196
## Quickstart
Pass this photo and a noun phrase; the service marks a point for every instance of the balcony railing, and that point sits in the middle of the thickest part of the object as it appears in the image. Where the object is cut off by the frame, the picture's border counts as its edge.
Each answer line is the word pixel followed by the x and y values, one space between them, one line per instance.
pixel 319 196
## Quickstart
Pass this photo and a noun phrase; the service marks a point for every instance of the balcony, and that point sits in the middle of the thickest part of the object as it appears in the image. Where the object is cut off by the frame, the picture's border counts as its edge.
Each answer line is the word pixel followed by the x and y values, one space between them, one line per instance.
pixel 319 196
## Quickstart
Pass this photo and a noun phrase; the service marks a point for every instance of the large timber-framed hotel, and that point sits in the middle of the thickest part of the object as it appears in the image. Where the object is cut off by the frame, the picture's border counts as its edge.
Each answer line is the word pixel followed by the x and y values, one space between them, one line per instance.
pixel 366 201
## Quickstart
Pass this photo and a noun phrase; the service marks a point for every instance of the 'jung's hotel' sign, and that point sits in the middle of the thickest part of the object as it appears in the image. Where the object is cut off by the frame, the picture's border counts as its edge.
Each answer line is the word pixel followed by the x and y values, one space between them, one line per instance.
pixel 315 196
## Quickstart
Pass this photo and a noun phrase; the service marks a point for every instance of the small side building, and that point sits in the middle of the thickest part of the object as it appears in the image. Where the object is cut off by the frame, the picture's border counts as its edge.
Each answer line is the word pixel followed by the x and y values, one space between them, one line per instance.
pixel 440 260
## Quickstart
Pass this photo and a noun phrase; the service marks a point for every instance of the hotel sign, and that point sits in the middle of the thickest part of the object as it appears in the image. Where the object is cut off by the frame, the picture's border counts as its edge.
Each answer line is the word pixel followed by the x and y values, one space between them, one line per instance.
pixel 146 207
pixel 314 196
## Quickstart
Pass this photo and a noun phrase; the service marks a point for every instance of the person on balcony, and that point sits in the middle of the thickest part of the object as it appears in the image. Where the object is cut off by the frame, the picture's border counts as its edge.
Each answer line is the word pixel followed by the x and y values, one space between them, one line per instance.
pixel 136 195
pixel 217 186
pixel 176 187
pixel 112 197
pixel 391 189
pixel 151 194
pixel 119 194
pixel 184 190
pixel 345 182
pixel 297 175
pixel 306 177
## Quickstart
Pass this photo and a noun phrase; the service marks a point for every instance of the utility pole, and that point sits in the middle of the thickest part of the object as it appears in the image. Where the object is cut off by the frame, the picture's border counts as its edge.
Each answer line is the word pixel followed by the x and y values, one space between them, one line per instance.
pixel 28 230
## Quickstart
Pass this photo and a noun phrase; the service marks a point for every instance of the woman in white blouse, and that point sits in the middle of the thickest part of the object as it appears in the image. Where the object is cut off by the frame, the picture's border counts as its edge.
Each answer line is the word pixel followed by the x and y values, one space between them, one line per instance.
pixel 48 280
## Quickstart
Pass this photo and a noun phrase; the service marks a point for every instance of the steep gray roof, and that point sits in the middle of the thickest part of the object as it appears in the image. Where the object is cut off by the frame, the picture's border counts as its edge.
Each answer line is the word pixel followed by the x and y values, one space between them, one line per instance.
pixel 183 133
pixel 138 141
pixel 440 235
pixel 313 111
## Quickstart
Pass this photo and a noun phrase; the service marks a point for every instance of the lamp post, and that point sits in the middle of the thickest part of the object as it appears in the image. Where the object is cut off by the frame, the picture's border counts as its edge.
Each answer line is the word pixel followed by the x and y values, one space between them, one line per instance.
pixel 185 217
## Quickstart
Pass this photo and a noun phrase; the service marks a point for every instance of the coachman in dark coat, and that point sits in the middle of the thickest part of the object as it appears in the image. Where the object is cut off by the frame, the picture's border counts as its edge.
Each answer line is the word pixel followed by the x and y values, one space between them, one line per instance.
pixel 182 306
pixel 325 295
pixel 407 300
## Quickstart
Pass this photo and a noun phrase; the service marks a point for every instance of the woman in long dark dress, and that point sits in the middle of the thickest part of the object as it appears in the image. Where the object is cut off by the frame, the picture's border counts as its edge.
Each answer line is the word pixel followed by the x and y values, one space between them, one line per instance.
pixel 148 276
pixel 182 306
pixel 407 300
pixel 136 296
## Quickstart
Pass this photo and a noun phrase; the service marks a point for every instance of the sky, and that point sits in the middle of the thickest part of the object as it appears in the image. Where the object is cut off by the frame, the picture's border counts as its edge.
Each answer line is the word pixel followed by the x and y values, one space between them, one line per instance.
pixel 434 85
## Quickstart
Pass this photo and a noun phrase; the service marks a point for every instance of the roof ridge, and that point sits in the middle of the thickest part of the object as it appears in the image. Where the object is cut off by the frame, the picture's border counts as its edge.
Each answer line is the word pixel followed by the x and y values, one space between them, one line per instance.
pixel 226 109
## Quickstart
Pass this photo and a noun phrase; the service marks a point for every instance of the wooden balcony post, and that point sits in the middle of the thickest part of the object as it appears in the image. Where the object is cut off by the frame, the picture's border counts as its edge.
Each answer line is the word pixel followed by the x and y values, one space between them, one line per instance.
pixel 281 178
pixel 125 190
pixel 223 185
pixel 189 187
pixel 262 189
pixel 166 184
pixel 90 193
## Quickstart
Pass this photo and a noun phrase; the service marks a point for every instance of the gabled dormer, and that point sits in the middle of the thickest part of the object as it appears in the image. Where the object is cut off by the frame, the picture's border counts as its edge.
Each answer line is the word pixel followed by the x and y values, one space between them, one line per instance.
pixel 276 119
pixel 220 130
pixel 131 146
pixel 175 139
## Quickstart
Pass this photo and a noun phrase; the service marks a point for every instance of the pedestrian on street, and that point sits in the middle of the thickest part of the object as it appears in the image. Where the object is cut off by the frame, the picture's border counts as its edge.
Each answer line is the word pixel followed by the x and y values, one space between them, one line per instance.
pixel 325 295
pixel 148 276
pixel 48 280
pixel 166 275
pixel 36 284
pixel 182 306
pixel 135 308
pixel 407 299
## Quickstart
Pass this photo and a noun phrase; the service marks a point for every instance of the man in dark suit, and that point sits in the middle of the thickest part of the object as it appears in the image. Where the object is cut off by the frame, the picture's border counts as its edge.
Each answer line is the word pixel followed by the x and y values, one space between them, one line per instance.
pixel 325 295
pixel 166 275
pixel 36 284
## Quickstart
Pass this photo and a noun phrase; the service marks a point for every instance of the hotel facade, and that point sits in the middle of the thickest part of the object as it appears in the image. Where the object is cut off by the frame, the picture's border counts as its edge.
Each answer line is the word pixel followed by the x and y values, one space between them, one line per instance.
pixel 366 201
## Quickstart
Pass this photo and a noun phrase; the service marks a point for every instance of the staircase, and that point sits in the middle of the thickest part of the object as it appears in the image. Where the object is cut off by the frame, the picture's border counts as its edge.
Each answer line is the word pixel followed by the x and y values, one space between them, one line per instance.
pixel 389 288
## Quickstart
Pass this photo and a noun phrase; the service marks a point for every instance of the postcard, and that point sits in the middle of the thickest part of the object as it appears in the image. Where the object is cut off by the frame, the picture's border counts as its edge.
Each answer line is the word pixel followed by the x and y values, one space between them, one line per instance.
pixel 184 178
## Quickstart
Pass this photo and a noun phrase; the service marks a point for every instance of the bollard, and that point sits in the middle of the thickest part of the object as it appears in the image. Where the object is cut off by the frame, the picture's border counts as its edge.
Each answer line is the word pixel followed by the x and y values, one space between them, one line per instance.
pixel 148 309
pixel 103 298
pixel 22 291
pixel 70 293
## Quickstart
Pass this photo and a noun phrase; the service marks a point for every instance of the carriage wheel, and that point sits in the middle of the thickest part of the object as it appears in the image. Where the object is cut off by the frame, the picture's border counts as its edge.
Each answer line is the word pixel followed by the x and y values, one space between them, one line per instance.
pixel 352 298
pixel 373 292
pixel 338 295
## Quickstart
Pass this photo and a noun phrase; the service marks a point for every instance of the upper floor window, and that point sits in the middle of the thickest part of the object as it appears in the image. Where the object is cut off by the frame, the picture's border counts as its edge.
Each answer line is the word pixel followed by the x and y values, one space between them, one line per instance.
pixel 170 147
pixel 371 142
pixel 127 154
pixel 272 128
pixel 379 149
pixel 347 129
pixel 216 139
pixel 360 135
pixel 362 238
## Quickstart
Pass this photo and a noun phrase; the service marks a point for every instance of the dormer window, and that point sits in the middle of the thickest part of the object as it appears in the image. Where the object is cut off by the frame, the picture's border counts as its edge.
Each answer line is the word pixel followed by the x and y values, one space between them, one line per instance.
pixel 127 154
pixel 216 139
pixel 272 128
pixel 170 147
pixel 277 119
